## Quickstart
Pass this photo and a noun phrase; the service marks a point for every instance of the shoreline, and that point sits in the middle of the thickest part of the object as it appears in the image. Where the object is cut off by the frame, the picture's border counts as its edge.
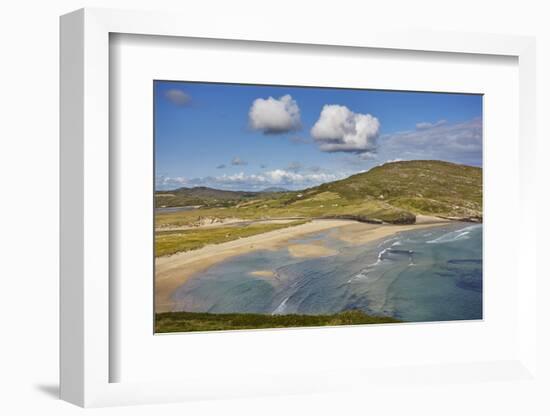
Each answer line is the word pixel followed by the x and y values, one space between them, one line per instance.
pixel 174 270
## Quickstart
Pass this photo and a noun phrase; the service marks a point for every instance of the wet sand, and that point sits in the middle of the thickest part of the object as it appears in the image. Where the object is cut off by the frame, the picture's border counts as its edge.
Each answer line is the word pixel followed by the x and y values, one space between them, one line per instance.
pixel 356 234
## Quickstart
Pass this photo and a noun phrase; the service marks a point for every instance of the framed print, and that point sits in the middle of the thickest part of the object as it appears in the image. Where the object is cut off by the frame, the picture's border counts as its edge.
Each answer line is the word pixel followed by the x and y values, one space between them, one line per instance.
pixel 247 215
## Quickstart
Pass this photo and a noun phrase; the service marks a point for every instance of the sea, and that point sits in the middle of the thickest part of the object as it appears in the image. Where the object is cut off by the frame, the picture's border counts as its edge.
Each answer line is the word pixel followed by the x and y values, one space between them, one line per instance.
pixel 430 274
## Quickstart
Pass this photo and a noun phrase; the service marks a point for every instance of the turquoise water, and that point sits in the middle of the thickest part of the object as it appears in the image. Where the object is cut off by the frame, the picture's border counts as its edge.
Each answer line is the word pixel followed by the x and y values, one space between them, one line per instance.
pixel 432 274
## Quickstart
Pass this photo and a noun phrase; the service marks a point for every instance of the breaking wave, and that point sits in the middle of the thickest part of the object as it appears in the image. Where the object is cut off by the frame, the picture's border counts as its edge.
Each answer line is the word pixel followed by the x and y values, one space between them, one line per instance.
pixel 462 234
pixel 279 310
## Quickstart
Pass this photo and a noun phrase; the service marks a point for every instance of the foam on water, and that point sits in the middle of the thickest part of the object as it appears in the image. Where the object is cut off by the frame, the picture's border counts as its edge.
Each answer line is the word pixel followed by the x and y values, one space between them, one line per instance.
pixel 455 235
pixel 281 308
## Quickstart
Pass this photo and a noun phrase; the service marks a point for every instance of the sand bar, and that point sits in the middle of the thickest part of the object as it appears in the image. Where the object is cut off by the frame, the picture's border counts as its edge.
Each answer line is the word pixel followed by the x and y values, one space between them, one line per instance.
pixel 174 270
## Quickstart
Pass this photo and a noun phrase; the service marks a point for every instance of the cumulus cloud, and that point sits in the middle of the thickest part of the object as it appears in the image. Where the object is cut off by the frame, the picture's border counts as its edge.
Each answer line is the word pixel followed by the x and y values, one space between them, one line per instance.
pixel 281 177
pixel 168 182
pixel 274 116
pixel 253 181
pixel 456 142
pixel 178 97
pixel 341 130
pixel 237 161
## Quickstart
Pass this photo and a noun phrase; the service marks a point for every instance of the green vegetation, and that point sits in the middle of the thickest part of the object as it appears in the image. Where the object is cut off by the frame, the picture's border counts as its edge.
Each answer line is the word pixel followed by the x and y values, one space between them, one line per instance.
pixel 206 197
pixel 392 193
pixel 191 321
pixel 170 242
pixel 420 186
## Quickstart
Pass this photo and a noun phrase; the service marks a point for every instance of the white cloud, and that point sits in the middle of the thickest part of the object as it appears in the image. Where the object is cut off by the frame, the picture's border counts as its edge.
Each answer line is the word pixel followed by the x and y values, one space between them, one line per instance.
pixel 341 130
pixel 456 142
pixel 178 96
pixel 274 116
pixel 251 182
pixel 167 182
pixel 397 159
pixel 274 177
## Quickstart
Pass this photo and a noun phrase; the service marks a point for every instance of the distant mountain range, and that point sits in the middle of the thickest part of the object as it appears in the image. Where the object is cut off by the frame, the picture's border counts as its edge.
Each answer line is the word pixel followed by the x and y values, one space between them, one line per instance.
pixel 205 196
pixel 393 192
pixel 274 189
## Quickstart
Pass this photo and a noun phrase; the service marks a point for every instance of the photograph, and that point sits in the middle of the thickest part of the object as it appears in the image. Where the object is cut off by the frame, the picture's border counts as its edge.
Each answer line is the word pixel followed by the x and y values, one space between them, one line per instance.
pixel 282 206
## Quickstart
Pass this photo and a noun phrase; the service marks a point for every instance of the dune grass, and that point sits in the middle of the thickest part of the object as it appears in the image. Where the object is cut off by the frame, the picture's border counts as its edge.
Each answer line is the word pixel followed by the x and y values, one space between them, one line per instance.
pixel 171 242
pixel 192 321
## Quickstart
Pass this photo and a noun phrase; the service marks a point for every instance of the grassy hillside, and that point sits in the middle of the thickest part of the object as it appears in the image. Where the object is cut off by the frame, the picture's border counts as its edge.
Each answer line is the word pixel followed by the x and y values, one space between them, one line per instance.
pixel 394 193
pixel 189 321
pixel 199 196
pixel 421 187
pixel 209 197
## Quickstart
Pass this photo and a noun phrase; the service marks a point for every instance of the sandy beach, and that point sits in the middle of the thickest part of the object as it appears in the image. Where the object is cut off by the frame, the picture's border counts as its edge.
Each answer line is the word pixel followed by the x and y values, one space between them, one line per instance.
pixel 174 270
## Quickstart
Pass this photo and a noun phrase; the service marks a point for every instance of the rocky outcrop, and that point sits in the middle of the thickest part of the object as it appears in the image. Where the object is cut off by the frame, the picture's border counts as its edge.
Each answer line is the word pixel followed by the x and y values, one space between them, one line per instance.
pixel 353 217
pixel 474 219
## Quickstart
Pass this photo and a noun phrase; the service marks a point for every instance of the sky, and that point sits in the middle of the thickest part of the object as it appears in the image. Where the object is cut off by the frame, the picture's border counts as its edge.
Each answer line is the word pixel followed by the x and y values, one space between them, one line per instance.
pixel 253 137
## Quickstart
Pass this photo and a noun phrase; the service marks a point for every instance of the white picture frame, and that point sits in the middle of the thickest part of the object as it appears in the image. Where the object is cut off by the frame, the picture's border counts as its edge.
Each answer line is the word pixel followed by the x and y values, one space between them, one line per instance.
pixel 86 356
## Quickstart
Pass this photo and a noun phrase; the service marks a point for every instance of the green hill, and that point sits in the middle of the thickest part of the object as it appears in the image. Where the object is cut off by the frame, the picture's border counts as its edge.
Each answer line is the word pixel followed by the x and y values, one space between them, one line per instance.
pixel 200 195
pixel 421 187
pixel 394 192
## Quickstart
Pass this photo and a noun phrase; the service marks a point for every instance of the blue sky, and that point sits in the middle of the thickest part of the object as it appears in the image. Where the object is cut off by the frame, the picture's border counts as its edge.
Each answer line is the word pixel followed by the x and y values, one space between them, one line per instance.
pixel 251 137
